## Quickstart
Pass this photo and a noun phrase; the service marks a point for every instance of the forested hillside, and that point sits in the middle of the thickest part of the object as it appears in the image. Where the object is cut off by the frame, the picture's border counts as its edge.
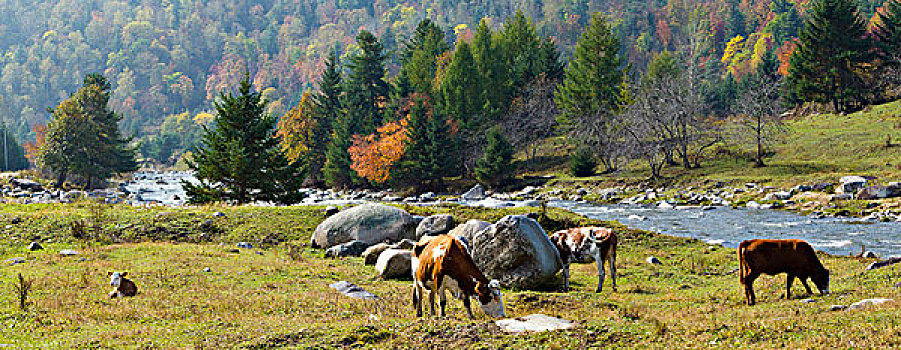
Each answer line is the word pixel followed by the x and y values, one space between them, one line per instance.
pixel 167 60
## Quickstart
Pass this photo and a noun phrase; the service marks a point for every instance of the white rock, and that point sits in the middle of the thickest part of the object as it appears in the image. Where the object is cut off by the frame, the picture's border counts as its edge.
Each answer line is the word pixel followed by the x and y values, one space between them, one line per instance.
pixel 533 323
pixel 867 303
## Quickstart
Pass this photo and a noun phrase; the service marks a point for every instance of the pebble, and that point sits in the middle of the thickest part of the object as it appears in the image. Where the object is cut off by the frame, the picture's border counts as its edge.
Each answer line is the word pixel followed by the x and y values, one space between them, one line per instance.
pixel 207 269
pixel 245 245
pixel 653 260
pixel 16 260
pixel 35 246
pixel 68 252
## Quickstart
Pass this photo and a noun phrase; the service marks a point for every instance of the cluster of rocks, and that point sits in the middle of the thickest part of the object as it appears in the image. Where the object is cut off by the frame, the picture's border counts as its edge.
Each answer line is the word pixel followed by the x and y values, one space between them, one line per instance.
pixel 515 250
pixel 25 191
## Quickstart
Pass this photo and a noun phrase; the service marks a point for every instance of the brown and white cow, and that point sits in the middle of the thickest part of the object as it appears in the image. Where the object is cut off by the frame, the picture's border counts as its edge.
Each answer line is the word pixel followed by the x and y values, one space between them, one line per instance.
pixel 774 256
pixel 443 263
pixel 585 245
pixel 123 287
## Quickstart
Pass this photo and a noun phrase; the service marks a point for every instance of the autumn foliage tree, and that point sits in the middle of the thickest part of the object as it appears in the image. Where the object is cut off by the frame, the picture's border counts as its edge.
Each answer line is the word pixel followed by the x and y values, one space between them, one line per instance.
pixel 296 129
pixel 375 156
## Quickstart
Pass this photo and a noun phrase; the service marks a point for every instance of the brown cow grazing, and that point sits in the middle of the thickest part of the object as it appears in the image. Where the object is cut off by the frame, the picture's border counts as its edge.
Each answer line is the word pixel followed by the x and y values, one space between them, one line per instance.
pixel 584 245
pixel 774 256
pixel 443 263
pixel 124 287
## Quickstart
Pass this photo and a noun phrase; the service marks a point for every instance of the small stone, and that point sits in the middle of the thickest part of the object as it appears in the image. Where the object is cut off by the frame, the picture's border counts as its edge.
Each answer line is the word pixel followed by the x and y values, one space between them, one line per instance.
pixel 806 301
pixel 35 246
pixel 837 307
pixel 207 269
pixel 653 260
pixel 68 252
pixel 16 221
pixel 218 214
pixel 869 255
pixel 259 252
pixel 16 260
pixel 867 303
pixel 245 245
pixel 331 210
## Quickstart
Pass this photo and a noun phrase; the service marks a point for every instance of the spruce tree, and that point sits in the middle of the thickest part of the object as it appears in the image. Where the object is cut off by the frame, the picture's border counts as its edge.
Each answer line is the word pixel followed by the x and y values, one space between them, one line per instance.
pixel 12 155
pixel 592 88
pixel 366 88
pixel 420 55
pixel 582 163
pixel 521 43
pixel 337 170
pixel 832 54
pixel 495 167
pixel 887 31
pixel 490 61
pixel 430 152
pixel 328 110
pixel 239 160
pixel 461 89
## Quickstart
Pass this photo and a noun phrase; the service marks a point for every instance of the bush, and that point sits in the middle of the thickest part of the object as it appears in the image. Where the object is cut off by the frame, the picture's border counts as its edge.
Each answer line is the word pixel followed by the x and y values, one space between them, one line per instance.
pixel 582 163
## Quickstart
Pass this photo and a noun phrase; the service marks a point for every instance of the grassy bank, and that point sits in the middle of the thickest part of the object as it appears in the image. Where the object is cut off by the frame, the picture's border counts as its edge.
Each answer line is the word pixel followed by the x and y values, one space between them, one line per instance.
pixel 815 148
pixel 277 296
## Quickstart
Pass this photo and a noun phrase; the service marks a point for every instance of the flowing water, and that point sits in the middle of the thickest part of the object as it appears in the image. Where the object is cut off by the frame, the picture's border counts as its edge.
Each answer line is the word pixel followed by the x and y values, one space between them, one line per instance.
pixel 728 226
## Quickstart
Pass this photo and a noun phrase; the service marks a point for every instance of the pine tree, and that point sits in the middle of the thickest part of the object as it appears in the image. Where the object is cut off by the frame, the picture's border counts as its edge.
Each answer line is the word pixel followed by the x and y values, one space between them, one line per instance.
pixel 887 31
pixel 495 167
pixel 582 163
pixel 430 152
pixel 367 90
pixel 239 160
pixel 461 89
pixel 833 51
pixel 337 170
pixel 420 55
pixel 521 43
pixel 83 136
pixel 328 110
pixel 490 61
pixel 12 155
pixel 592 88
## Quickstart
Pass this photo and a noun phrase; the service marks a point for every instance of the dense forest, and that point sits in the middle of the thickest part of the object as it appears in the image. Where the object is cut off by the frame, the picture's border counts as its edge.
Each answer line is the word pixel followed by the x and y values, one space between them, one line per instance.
pixel 168 60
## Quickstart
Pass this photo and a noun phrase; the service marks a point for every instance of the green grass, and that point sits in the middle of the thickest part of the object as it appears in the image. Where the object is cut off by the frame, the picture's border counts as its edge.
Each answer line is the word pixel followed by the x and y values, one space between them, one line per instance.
pixel 816 148
pixel 273 299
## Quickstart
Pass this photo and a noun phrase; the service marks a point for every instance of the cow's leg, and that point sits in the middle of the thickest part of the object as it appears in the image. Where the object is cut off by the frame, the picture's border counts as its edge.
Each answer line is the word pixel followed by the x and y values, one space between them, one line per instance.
pixel 468 308
pixel 788 286
pixel 599 260
pixel 417 299
pixel 566 278
pixel 432 301
pixel 442 301
pixel 748 283
pixel 804 283
pixel 612 259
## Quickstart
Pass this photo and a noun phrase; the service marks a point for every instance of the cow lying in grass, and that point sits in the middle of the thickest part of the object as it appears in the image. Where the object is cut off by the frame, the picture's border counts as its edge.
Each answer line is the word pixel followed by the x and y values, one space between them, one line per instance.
pixel 774 256
pixel 585 245
pixel 443 263
pixel 124 287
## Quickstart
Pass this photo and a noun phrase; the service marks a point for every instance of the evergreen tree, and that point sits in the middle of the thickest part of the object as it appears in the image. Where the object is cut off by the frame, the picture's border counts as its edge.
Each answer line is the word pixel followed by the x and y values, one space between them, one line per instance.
pixel 328 110
pixel 337 164
pixel 549 59
pixel 833 51
pixel 592 88
pixel 461 89
pixel 887 31
pixel 495 167
pixel 430 152
pixel 490 61
pixel 12 155
pixel 83 136
pixel 521 43
pixel 239 160
pixel 420 55
pixel 582 163
pixel 367 90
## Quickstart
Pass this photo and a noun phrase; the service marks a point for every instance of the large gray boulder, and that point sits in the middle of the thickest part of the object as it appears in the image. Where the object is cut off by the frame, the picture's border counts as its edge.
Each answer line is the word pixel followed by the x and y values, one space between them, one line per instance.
pixel 517 252
pixel 872 192
pixel 394 264
pixel 475 193
pixel 368 223
pixel 469 229
pixel 435 225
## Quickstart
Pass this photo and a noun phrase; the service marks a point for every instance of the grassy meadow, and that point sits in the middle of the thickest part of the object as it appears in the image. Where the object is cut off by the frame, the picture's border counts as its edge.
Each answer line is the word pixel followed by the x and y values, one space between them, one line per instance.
pixel 814 148
pixel 277 296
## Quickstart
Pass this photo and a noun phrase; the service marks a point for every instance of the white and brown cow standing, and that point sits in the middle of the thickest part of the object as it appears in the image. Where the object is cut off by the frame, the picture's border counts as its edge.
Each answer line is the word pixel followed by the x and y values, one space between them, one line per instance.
pixel 443 263
pixel 584 245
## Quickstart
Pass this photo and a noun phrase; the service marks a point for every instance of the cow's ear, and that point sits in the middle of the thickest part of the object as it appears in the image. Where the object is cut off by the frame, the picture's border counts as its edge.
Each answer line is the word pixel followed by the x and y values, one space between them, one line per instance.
pixel 109 273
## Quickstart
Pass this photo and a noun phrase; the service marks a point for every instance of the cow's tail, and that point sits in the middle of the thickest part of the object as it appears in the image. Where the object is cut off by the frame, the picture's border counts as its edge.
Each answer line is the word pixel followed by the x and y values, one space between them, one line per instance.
pixel 743 268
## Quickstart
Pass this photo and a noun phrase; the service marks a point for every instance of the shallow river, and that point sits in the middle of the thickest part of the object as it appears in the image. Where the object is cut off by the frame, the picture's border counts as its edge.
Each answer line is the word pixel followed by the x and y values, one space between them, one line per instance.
pixel 728 226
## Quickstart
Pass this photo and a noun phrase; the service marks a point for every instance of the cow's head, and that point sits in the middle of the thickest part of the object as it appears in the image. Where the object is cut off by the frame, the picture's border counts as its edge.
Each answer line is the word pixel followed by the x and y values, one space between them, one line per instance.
pixel 822 281
pixel 490 298
pixel 115 278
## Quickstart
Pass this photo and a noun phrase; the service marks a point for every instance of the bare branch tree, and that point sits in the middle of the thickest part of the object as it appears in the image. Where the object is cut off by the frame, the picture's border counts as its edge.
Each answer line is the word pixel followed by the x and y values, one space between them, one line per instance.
pixel 760 107
pixel 533 116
